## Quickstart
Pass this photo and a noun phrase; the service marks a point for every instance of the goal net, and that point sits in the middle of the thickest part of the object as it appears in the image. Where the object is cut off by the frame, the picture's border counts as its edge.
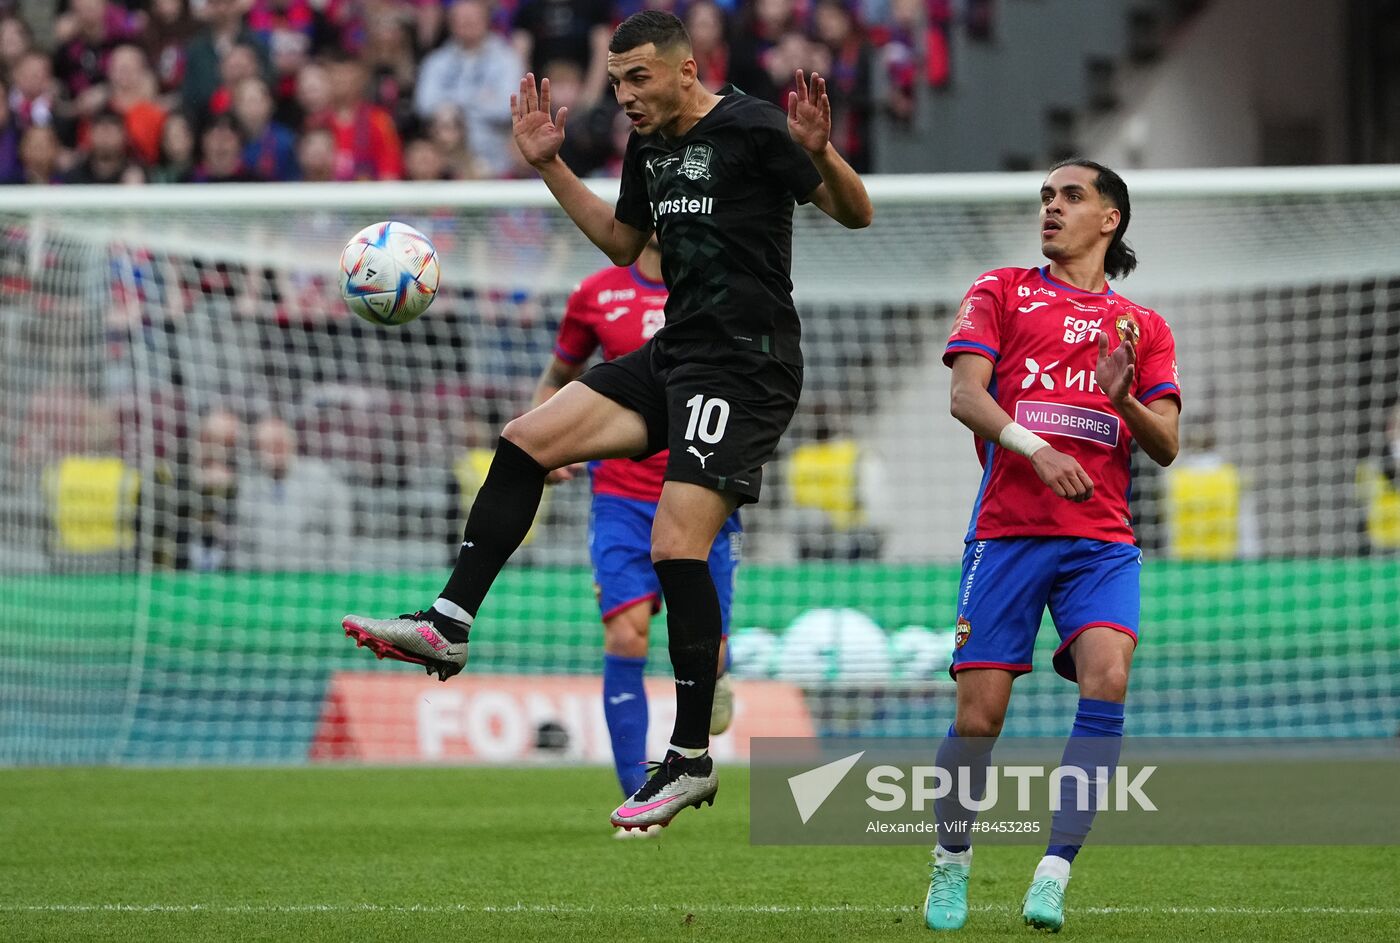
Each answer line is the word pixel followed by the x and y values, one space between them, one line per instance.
pixel 205 462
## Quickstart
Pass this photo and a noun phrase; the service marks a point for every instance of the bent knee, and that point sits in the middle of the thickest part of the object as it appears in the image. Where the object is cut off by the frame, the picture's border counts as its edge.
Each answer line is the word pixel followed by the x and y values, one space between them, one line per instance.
pixel 979 724
pixel 661 551
pixel 625 641
pixel 673 543
pixel 518 431
pixel 524 433
pixel 1105 684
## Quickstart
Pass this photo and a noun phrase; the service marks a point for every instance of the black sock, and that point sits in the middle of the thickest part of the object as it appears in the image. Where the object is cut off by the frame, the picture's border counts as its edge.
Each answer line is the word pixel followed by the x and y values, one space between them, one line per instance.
pixel 500 518
pixel 693 621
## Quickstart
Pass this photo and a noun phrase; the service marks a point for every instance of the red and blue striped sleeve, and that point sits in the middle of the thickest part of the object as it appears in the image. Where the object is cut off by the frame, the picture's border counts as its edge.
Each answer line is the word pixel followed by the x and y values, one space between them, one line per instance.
pixel 977 329
pixel 1157 374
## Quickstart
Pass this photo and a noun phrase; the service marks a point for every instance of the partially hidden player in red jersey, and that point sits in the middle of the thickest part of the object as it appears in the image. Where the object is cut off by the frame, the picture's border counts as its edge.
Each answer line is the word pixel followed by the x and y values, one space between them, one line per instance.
pixel 1056 374
pixel 615 311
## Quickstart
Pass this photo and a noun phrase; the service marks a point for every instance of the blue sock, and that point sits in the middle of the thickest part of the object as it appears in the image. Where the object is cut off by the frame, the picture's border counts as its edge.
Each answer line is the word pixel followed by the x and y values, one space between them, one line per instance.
pixel 955 821
pixel 1095 740
pixel 625 707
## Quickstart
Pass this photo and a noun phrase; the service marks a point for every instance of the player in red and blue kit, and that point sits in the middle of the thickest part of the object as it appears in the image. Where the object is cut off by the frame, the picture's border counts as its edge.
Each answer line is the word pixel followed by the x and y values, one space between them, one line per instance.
pixel 616 311
pixel 1056 375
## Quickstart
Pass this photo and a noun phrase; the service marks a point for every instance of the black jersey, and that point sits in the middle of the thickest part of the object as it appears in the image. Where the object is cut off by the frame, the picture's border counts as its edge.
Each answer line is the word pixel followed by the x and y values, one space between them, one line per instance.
pixel 720 198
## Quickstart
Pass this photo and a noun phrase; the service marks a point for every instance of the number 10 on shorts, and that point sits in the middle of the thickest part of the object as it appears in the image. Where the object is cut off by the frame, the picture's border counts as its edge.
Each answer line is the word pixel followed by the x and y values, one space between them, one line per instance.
pixel 708 417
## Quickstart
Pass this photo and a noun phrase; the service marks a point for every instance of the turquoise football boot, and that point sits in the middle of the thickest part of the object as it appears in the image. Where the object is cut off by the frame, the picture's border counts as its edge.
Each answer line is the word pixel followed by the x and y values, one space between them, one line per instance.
pixel 945 905
pixel 1044 906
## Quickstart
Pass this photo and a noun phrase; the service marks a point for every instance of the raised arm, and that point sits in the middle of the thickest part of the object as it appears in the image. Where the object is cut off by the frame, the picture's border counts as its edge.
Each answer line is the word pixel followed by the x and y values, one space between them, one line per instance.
pixel 841 194
pixel 539 138
pixel 1155 426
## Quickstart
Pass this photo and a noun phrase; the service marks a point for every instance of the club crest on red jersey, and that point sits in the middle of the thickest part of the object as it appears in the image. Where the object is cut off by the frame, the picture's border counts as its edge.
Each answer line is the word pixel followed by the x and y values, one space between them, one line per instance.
pixel 1127 328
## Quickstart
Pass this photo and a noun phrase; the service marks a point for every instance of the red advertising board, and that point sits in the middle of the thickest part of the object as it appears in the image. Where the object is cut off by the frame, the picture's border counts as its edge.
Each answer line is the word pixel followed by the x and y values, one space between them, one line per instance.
pixel 383 717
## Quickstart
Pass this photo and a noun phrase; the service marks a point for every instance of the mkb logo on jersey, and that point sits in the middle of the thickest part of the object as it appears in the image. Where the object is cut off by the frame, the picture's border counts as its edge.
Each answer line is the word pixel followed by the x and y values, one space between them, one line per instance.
pixel 696 164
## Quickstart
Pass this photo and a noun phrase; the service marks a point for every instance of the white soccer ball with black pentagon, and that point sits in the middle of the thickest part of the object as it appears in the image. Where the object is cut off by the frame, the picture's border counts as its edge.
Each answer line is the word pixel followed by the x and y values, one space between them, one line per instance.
pixel 389 273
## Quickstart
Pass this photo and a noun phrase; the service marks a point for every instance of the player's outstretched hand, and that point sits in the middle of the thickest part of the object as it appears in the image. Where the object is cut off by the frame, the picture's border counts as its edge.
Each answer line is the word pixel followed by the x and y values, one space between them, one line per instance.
pixel 809 114
pixel 1117 371
pixel 1062 474
pixel 538 136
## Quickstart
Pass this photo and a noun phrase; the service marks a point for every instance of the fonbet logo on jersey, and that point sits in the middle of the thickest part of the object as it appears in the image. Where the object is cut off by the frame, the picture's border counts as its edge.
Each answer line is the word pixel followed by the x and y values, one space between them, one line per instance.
pixel 1079 330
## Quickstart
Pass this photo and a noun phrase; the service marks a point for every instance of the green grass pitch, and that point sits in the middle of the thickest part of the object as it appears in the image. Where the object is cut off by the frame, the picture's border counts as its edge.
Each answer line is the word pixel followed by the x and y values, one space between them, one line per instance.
pixel 472 854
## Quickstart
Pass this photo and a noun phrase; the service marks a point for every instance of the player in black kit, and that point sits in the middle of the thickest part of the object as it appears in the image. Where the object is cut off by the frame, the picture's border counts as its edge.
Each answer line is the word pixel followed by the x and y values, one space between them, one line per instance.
pixel 717 177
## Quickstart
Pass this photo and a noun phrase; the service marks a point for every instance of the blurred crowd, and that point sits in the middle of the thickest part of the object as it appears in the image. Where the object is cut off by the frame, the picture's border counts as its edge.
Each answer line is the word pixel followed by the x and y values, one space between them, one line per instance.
pixel 182 91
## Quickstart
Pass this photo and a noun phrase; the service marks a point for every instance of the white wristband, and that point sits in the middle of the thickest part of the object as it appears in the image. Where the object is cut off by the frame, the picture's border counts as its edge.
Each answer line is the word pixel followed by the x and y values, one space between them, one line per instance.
pixel 1021 440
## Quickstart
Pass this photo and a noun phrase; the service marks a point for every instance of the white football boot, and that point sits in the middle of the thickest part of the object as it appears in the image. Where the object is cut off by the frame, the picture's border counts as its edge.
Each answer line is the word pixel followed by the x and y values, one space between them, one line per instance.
pixel 676 783
pixel 412 638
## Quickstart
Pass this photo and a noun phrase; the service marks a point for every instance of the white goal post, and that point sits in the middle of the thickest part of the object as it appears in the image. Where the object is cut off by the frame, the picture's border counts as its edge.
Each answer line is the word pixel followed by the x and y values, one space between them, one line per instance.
pixel 160 606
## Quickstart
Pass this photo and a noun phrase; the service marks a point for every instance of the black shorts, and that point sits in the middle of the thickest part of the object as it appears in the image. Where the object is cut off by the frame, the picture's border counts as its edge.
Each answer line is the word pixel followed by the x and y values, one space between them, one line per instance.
pixel 722 422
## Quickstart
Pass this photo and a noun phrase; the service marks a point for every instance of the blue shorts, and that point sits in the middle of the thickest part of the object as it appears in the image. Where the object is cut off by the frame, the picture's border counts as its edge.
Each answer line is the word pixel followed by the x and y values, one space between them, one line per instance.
pixel 619 541
pixel 1008 581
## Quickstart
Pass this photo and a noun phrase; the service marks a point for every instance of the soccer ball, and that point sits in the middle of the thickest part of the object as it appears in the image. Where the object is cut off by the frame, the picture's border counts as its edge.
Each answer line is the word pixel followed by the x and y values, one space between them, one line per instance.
pixel 835 645
pixel 389 273
pixel 921 654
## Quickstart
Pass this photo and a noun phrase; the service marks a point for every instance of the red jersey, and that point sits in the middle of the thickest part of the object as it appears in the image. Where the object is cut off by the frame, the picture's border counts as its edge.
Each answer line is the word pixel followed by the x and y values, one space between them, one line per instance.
pixel 619 310
pixel 1042 337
